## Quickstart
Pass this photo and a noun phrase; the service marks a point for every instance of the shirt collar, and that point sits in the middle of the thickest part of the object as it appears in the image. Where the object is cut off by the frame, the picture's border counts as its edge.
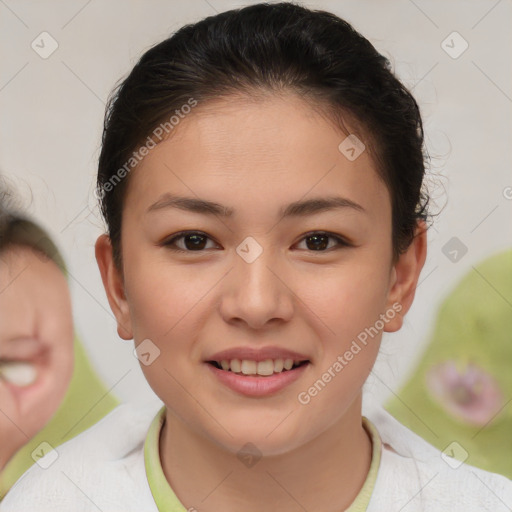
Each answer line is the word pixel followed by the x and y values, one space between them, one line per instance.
pixel 166 500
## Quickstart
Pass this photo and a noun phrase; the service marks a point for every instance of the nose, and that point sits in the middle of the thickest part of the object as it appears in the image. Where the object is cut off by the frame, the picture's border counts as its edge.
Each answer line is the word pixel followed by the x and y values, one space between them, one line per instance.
pixel 257 292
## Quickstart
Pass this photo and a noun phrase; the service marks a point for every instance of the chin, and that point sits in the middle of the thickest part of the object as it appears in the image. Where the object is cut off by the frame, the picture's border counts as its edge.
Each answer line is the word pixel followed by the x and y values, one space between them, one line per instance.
pixel 258 437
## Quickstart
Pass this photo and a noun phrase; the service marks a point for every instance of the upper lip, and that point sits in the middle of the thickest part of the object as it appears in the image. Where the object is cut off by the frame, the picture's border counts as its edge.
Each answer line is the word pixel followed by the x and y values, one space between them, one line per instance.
pixel 261 354
pixel 22 349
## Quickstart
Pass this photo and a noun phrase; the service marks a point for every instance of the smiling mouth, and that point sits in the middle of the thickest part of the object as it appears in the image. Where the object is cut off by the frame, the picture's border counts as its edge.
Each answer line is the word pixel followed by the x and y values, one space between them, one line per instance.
pixel 265 368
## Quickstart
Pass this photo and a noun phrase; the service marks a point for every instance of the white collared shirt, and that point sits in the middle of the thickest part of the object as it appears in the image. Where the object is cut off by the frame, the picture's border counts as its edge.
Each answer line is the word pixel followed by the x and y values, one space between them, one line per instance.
pixel 103 469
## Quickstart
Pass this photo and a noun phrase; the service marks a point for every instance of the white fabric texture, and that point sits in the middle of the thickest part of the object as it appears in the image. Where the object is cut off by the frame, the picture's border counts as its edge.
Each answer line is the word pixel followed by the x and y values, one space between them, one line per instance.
pixel 103 469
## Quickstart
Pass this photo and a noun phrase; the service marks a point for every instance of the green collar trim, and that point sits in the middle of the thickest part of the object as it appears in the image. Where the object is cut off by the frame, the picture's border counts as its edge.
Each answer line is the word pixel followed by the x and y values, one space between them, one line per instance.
pixel 164 496
pixel 360 504
pixel 166 500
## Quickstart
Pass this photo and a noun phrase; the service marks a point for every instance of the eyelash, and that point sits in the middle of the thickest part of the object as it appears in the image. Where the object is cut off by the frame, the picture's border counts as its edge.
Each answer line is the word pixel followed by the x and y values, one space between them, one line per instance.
pixel 169 243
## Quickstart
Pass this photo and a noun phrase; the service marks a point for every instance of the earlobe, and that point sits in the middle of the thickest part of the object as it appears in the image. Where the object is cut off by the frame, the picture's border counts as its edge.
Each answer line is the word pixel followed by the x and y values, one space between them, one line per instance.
pixel 404 277
pixel 114 286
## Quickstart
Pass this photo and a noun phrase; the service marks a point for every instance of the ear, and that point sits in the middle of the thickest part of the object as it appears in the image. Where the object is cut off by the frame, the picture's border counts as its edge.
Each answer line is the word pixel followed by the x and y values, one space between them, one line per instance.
pixel 404 277
pixel 114 286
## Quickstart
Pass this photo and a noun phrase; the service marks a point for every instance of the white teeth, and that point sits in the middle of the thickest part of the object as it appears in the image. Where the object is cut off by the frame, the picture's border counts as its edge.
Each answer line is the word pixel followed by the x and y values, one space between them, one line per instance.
pixel 18 373
pixel 249 367
pixel 266 367
pixel 263 368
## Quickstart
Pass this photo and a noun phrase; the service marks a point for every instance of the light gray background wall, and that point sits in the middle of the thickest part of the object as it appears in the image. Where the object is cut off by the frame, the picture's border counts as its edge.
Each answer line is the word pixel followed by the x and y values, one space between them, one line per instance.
pixel 52 112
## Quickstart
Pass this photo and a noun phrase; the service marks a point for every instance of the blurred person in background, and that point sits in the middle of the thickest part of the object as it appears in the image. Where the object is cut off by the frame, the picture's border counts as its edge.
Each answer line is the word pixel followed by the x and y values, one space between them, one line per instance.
pixel 49 391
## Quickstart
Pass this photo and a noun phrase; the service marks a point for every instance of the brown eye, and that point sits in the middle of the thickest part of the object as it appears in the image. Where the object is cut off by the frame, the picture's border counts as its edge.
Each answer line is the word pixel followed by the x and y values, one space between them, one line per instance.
pixel 193 241
pixel 319 241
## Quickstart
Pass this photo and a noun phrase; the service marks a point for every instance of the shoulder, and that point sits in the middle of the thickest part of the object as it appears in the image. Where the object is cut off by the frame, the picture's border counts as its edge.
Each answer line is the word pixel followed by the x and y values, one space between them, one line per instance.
pixel 415 474
pixel 92 470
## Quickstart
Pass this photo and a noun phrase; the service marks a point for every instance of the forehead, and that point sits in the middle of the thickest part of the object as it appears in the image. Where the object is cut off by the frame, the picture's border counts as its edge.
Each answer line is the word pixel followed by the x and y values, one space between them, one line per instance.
pixel 260 152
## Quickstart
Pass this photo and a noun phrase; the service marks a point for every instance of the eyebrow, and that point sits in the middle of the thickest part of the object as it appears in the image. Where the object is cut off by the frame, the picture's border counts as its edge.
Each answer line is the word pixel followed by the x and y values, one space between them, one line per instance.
pixel 296 209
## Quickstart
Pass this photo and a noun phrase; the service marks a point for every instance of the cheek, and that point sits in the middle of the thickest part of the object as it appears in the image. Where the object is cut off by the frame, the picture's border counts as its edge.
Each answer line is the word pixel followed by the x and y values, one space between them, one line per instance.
pixel 349 303
pixel 167 309
pixel 161 296
pixel 346 298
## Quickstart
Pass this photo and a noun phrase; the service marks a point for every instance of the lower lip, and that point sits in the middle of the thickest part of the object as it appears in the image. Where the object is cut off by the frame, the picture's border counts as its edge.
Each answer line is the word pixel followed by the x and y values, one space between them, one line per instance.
pixel 255 385
pixel 22 391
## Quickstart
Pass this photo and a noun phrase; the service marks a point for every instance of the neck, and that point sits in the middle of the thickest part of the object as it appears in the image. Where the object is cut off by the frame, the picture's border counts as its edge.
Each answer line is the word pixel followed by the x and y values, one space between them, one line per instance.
pixel 325 474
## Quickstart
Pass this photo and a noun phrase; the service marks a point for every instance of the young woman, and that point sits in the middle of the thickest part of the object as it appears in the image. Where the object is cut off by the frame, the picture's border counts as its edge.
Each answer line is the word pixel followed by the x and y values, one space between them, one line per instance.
pixel 261 178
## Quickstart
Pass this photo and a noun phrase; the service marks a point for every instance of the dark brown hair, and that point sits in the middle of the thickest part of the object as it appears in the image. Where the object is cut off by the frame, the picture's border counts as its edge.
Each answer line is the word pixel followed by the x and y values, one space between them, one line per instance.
pixel 278 48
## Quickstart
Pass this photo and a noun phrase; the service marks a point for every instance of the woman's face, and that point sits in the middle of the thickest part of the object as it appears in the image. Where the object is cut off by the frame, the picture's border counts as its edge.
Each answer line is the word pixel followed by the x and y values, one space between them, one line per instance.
pixel 256 279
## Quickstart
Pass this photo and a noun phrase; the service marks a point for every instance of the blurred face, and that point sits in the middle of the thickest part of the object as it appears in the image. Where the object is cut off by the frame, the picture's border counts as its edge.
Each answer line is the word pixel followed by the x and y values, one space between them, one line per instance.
pixel 36 345
pixel 250 238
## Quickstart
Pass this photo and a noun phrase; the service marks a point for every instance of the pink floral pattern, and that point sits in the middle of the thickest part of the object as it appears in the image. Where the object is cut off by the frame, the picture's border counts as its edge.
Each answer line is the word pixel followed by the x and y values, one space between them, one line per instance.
pixel 467 391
